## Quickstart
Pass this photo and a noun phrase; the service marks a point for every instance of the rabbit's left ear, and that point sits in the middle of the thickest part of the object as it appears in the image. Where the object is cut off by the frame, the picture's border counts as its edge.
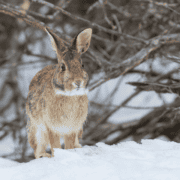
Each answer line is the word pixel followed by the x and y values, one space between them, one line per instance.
pixel 56 42
pixel 82 41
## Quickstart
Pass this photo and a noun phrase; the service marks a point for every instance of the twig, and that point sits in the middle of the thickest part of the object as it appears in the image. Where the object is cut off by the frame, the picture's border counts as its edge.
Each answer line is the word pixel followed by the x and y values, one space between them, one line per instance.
pixel 117 23
pixel 173 24
pixel 127 106
pixel 126 14
pixel 95 5
pixel 173 58
pixel 99 83
pixel 158 3
pixel 106 17
pixel 166 5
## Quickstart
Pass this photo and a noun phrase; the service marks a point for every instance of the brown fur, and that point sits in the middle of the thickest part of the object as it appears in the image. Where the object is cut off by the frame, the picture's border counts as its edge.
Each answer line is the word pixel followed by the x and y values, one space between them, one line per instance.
pixel 51 115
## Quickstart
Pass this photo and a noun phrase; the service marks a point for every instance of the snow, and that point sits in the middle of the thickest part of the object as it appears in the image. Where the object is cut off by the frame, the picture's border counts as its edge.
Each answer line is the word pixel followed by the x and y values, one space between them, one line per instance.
pixel 152 159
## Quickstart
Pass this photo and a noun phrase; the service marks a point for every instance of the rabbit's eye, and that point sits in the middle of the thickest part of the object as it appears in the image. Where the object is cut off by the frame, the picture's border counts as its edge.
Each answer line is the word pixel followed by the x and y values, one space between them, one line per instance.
pixel 82 65
pixel 63 67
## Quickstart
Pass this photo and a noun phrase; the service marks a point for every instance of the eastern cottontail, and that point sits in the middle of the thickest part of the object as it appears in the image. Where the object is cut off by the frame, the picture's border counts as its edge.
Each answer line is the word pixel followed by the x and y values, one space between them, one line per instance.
pixel 57 103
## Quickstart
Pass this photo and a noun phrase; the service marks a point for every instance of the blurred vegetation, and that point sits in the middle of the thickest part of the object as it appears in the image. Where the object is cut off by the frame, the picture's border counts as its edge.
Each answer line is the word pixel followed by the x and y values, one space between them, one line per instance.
pixel 126 33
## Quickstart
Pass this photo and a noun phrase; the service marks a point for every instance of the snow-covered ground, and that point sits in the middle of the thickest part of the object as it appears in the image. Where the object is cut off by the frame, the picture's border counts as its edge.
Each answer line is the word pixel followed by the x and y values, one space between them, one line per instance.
pixel 151 160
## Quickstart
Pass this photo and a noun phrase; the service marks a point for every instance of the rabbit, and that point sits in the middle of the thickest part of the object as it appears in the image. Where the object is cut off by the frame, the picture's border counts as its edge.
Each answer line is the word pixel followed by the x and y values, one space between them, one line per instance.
pixel 57 102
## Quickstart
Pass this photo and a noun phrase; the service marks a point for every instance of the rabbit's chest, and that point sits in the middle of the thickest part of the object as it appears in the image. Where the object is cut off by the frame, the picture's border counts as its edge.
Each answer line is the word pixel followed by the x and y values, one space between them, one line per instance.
pixel 68 108
pixel 67 114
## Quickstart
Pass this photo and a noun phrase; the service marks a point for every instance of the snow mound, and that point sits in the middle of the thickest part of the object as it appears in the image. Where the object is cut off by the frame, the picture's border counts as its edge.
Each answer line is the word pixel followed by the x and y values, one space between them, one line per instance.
pixel 153 159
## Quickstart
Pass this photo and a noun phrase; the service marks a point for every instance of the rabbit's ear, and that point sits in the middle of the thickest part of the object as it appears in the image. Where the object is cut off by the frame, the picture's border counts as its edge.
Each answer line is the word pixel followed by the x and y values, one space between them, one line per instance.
pixel 82 41
pixel 56 42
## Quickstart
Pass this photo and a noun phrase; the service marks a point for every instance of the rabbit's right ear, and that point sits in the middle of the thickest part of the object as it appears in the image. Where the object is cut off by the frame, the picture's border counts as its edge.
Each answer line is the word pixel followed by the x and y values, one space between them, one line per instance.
pixel 82 41
pixel 56 42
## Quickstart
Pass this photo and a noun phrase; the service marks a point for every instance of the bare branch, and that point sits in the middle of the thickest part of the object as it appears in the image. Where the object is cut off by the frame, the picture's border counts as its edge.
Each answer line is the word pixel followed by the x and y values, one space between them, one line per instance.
pixel 125 13
pixel 89 22
pixel 157 87
pixel 117 23
pixel 30 20
pixel 106 17
pixel 104 119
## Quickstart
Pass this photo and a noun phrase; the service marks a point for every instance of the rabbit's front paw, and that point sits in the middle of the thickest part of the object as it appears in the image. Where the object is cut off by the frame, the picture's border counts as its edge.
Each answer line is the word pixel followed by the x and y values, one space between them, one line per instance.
pixel 44 155
pixel 78 146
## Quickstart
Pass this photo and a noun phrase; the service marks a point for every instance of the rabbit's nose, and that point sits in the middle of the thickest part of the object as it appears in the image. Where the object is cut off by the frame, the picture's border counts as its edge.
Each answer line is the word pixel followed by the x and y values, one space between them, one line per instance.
pixel 78 83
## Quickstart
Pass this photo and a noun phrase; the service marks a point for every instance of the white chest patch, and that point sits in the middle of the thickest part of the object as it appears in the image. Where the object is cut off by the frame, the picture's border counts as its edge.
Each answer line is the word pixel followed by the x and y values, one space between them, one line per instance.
pixel 74 92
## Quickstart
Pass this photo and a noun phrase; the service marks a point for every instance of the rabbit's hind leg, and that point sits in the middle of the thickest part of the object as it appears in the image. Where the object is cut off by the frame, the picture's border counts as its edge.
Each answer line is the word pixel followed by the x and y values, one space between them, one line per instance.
pixel 41 139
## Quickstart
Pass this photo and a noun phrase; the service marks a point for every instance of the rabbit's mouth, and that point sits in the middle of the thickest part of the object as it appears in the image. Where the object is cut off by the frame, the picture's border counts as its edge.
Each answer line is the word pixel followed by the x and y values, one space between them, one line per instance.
pixel 78 85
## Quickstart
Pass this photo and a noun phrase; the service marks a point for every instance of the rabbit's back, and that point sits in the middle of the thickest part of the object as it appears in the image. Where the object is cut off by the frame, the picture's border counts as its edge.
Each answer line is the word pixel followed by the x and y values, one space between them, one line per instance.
pixel 42 77
pixel 38 85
